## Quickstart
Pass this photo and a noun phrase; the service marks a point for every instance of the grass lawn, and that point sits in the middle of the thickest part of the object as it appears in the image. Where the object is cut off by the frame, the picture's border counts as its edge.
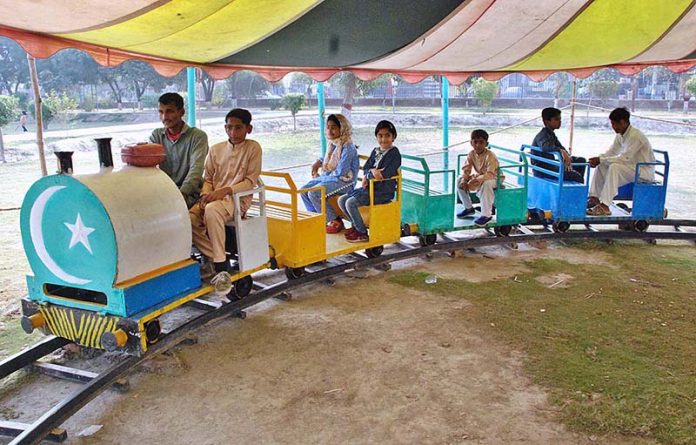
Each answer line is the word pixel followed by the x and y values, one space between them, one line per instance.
pixel 615 348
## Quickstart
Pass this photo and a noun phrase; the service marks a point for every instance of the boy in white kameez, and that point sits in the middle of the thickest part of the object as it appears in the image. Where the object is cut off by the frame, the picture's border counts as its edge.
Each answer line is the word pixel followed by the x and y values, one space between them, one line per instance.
pixel 231 166
pixel 479 174
pixel 617 166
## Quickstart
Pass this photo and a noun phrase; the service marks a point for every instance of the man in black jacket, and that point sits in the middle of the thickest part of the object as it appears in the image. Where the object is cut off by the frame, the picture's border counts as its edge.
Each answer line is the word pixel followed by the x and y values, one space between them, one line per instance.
pixel 548 143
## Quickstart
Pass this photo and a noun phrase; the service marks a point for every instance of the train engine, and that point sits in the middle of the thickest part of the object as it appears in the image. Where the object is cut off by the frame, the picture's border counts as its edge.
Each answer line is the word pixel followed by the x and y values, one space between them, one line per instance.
pixel 109 252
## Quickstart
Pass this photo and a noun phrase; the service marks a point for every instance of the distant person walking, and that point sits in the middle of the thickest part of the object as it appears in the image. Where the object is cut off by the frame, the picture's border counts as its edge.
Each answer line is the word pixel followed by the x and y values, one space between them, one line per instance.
pixel 23 119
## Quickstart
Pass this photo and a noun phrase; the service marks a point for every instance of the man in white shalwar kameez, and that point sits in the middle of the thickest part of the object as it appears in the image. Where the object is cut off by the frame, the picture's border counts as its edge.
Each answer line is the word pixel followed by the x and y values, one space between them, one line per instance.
pixel 617 166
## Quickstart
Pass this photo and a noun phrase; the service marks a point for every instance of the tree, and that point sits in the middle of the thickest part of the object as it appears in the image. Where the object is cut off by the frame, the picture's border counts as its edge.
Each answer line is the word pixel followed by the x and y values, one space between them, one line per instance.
pixel 13 66
pixel 113 77
pixel 246 85
pixel 464 88
pixel 304 83
pixel 293 102
pixel 560 87
pixel 141 76
pixel 67 70
pixel 603 89
pixel 61 104
pixel 689 90
pixel 349 85
pixel 485 91
pixel 9 109
pixel 208 85
pixel 55 105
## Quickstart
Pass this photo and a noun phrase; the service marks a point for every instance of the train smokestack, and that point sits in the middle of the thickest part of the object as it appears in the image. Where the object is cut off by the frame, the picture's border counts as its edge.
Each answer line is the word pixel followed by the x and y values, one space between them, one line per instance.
pixel 65 166
pixel 104 149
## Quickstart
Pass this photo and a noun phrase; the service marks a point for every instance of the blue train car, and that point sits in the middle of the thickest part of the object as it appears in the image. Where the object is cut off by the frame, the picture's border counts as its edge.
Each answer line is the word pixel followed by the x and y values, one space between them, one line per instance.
pixel 552 199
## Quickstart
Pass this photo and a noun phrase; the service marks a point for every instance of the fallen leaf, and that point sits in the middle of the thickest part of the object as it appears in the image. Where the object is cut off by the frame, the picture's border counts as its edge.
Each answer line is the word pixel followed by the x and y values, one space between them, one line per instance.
pixel 333 390
pixel 89 430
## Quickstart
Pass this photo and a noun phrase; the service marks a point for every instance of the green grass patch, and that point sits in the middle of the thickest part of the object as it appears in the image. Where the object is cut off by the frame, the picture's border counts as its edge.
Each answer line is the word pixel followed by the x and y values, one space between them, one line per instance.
pixel 616 348
pixel 13 339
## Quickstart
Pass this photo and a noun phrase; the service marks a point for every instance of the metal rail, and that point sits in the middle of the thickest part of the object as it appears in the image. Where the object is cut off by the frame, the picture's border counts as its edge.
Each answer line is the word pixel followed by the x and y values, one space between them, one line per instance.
pixel 43 426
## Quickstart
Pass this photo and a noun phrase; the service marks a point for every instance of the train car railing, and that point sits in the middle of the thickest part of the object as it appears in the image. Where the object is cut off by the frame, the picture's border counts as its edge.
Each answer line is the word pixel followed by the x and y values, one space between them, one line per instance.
pixel 548 190
pixel 511 184
pixel 425 204
pixel 649 195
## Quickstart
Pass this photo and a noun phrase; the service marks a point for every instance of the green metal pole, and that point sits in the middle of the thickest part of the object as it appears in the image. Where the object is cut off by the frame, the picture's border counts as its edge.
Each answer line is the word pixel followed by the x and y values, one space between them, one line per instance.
pixel 321 106
pixel 445 130
pixel 191 102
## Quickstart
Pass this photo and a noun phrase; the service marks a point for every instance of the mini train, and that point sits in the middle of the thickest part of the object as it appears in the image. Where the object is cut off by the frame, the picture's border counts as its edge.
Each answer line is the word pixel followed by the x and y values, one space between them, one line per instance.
pixel 110 252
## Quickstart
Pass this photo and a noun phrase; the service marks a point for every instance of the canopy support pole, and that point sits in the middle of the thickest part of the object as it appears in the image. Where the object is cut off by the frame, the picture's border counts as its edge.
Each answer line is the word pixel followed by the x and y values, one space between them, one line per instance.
pixel 572 114
pixel 321 105
pixel 191 102
pixel 445 131
pixel 38 110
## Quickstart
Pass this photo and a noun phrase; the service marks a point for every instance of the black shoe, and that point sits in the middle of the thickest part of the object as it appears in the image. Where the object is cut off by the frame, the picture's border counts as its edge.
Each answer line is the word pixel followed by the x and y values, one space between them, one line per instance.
pixel 466 212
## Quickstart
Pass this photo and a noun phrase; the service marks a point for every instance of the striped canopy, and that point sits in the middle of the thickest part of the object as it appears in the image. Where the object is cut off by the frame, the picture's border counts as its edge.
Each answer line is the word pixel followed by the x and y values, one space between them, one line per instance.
pixel 413 39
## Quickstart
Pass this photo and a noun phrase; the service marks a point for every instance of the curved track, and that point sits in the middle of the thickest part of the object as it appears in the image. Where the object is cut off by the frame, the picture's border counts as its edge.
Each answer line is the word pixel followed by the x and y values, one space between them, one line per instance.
pixel 46 425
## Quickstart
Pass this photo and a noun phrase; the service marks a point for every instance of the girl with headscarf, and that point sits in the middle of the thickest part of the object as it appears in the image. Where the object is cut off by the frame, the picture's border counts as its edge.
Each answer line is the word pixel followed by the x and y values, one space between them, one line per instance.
pixel 339 170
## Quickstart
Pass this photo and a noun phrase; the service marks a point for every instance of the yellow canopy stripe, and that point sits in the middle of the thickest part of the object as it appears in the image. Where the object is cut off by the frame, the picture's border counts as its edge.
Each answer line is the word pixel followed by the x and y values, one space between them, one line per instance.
pixel 198 31
pixel 607 32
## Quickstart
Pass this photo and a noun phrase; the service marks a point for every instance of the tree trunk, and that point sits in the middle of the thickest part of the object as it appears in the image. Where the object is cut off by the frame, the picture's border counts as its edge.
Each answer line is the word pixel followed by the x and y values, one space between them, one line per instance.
pixel 139 91
pixel 294 123
pixel 350 93
pixel 684 92
pixel 2 148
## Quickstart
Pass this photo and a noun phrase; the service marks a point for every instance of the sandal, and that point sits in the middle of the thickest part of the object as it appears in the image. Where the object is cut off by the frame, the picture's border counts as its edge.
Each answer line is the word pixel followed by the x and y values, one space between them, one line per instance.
pixel 592 201
pixel 335 226
pixel 599 210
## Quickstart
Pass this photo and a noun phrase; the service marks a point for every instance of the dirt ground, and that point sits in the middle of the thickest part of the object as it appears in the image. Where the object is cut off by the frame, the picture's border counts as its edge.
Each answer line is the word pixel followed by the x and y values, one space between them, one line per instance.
pixel 363 361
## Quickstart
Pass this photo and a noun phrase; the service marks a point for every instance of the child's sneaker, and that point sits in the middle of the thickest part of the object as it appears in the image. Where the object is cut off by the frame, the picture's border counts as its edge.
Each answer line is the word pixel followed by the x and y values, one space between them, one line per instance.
pixel 357 237
pixel 222 282
pixel 466 212
pixel 481 221
pixel 335 226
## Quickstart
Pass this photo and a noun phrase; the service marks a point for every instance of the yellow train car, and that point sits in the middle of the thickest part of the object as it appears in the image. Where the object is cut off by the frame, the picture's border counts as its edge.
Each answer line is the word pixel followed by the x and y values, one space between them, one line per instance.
pixel 298 237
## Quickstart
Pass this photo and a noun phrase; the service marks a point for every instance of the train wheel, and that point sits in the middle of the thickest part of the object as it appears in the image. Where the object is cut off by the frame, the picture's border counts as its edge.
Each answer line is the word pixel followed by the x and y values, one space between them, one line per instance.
pixel 374 252
pixel 427 240
pixel 535 216
pixel 294 273
pixel 641 225
pixel 626 226
pixel 560 226
pixel 502 230
pixel 242 287
pixel 153 329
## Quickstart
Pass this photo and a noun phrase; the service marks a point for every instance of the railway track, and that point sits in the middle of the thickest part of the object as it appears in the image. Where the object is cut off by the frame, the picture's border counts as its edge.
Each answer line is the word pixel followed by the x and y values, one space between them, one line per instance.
pixel 47 427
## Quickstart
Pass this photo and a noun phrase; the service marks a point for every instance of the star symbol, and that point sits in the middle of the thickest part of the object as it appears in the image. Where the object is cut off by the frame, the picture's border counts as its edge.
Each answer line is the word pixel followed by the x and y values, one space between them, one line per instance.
pixel 80 234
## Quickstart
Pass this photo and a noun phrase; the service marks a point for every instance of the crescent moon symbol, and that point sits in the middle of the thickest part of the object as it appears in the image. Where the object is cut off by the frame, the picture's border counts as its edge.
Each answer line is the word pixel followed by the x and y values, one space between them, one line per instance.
pixel 37 238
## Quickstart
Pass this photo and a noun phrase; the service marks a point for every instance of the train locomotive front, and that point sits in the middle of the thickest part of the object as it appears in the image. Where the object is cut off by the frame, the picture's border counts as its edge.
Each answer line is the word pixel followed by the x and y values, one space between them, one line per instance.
pixel 109 252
